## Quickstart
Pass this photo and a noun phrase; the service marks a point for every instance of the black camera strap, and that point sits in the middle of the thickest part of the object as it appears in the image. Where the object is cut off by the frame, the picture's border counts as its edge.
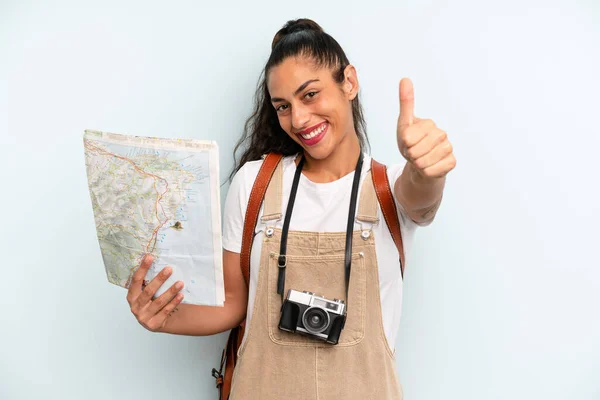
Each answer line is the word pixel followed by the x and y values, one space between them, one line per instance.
pixel 282 261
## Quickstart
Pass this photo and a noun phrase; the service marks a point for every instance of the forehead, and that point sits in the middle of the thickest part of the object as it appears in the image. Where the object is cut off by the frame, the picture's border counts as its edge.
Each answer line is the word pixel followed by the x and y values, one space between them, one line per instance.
pixel 286 77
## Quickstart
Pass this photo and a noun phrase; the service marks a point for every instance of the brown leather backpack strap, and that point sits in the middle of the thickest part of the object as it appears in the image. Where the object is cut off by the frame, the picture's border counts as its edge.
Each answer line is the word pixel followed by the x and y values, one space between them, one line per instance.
pixel 388 206
pixel 229 357
pixel 256 197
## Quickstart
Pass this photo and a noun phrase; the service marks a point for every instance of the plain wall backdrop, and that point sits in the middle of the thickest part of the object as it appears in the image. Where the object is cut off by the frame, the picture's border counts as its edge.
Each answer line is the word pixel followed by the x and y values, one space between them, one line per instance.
pixel 502 295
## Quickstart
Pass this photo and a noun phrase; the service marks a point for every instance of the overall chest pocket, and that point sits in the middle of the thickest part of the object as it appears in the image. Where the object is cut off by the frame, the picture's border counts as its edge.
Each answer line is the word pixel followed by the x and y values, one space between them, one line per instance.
pixel 323 275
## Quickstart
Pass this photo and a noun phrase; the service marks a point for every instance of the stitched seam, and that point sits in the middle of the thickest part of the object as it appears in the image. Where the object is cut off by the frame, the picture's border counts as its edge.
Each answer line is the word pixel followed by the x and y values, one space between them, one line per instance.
pixel 278 176
pixel 361 216
pixel 253 194
pixel 269 217
pixel 330 257
pixel 341 236
pixel 395 210
pixel 386 344
pixel 383 210
pixel 313 344
pixel 257 299
pixel 385 215
pixel 317 372
pixel 367 218
pixel 249 206
pixel 272 328
pixel 318 244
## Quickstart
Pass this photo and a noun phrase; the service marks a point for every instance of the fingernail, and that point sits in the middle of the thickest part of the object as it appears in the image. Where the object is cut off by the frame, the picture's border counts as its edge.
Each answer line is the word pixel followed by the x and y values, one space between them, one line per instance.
pixel 179 285
pixel 167 271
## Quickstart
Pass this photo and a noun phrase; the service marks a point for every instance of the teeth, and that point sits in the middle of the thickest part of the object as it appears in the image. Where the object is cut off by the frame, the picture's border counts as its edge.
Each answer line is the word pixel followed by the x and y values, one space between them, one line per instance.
pixel 314 133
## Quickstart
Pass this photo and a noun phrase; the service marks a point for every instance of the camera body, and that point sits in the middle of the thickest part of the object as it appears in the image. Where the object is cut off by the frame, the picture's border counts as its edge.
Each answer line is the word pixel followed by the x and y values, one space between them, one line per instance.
pixel 313 315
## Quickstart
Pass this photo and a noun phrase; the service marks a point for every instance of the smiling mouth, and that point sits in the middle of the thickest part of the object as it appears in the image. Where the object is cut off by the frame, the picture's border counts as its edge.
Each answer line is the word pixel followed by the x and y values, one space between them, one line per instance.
pixel 315 135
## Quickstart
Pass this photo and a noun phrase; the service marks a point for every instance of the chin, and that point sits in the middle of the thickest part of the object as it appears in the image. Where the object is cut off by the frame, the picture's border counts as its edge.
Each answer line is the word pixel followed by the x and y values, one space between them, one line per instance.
pixel 321 151
pixel 319 154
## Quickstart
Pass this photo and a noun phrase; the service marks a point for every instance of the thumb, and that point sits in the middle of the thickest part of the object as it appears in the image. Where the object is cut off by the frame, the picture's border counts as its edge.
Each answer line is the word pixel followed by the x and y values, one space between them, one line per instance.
pixel 407 102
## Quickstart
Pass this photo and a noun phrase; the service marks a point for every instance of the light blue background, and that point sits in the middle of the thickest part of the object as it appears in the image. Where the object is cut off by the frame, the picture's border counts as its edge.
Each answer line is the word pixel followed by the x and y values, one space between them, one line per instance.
pixel 501 300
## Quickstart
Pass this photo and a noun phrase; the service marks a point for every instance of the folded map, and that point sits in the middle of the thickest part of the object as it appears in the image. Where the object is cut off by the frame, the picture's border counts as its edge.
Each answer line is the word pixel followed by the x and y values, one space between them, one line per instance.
pixel 158 196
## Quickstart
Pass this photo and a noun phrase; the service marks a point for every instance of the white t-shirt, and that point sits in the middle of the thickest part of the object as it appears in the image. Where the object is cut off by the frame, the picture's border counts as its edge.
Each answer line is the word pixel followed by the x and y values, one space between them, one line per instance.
pixel 322 207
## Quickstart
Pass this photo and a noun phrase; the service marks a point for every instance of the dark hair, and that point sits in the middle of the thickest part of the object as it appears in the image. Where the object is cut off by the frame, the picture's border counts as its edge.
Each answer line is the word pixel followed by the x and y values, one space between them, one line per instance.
pixel 262 132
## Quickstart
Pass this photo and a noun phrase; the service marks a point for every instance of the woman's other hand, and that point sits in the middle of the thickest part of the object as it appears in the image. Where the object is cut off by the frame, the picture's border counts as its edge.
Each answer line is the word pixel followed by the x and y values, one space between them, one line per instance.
pixel 152 314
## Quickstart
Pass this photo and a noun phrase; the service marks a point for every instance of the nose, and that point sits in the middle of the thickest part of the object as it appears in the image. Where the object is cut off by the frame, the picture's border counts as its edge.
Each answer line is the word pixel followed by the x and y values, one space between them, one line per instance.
pixel 300 117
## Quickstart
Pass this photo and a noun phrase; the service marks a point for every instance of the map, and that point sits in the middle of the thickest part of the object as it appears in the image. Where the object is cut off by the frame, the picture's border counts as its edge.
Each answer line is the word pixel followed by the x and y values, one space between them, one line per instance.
pixel 158 196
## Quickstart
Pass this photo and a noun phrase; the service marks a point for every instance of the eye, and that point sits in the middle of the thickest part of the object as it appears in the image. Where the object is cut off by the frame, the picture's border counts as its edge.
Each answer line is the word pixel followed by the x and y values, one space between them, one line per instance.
pixel 310 95
pixel 279 109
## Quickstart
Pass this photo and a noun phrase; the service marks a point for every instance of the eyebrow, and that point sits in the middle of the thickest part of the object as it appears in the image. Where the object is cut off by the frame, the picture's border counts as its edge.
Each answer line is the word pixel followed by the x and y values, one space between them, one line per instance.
pixel 301 88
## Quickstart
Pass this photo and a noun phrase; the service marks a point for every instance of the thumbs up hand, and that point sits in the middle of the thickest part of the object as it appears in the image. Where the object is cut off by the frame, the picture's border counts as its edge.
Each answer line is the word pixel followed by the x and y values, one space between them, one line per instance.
pixel 420 141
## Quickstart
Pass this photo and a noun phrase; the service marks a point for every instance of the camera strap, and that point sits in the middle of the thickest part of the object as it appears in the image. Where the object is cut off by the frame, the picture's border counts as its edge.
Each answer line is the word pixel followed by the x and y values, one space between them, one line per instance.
pixel 282 261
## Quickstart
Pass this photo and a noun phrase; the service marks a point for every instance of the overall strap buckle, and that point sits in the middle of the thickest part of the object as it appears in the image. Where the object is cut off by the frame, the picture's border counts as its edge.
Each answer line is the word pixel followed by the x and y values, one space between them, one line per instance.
pixel 282 261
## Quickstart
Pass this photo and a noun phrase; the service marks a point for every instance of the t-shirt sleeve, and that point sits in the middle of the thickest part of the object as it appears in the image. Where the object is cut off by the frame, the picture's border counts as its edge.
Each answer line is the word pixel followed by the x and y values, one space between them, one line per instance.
pixel 394 172
pixel 233 214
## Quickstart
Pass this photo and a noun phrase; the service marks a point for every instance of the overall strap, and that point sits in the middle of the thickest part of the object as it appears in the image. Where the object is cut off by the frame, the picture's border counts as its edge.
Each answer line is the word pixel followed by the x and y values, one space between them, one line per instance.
pixel 388 207
pixel 367 204
pixel 273 197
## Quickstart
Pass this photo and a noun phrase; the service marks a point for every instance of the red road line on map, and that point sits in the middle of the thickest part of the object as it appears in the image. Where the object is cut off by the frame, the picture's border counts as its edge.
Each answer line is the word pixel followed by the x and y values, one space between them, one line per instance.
pixel 154 236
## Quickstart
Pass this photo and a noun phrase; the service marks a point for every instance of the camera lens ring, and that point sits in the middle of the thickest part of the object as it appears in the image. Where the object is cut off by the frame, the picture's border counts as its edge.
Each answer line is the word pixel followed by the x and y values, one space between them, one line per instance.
pixel 310 312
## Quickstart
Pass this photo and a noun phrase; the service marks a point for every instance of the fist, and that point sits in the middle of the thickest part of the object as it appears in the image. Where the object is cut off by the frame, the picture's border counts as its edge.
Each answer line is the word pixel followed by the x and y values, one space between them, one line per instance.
pixel 420 141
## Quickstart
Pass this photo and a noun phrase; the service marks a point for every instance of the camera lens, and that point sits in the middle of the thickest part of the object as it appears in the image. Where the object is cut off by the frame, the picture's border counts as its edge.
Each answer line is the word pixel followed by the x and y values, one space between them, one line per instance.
pixel 315 319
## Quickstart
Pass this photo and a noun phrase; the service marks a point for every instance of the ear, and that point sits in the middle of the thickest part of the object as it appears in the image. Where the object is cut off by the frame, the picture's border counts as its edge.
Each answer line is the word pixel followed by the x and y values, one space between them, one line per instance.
pixel 350 82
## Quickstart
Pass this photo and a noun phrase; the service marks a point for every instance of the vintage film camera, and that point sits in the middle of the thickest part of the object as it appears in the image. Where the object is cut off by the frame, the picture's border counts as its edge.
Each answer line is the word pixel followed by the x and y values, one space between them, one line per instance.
pixel 313 315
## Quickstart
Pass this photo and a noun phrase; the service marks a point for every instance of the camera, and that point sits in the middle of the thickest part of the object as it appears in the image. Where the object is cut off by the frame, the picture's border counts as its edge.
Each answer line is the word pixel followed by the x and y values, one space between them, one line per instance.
pixel 313 315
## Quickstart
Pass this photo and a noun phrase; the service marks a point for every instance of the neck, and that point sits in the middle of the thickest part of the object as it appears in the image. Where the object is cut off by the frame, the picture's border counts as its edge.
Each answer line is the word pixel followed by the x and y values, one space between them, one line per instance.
pixel 339 163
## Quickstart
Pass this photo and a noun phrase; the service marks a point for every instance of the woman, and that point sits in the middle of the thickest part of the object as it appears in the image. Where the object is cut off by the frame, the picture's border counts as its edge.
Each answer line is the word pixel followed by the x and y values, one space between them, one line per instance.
pixel 307 108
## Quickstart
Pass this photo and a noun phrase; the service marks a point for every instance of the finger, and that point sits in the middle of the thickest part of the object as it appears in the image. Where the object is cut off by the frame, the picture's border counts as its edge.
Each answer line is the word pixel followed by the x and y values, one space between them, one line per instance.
pixel 146 296
pixel 437 154
pixel 165 298
pixel 407 102
pixel 159 320
pixel 441 168
pixel 432 139
pixel 135 286
pixel 411 135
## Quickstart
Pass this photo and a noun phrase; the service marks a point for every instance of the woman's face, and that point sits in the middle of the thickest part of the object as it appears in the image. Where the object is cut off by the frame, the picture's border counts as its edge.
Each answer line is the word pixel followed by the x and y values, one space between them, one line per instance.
pixel 312 108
